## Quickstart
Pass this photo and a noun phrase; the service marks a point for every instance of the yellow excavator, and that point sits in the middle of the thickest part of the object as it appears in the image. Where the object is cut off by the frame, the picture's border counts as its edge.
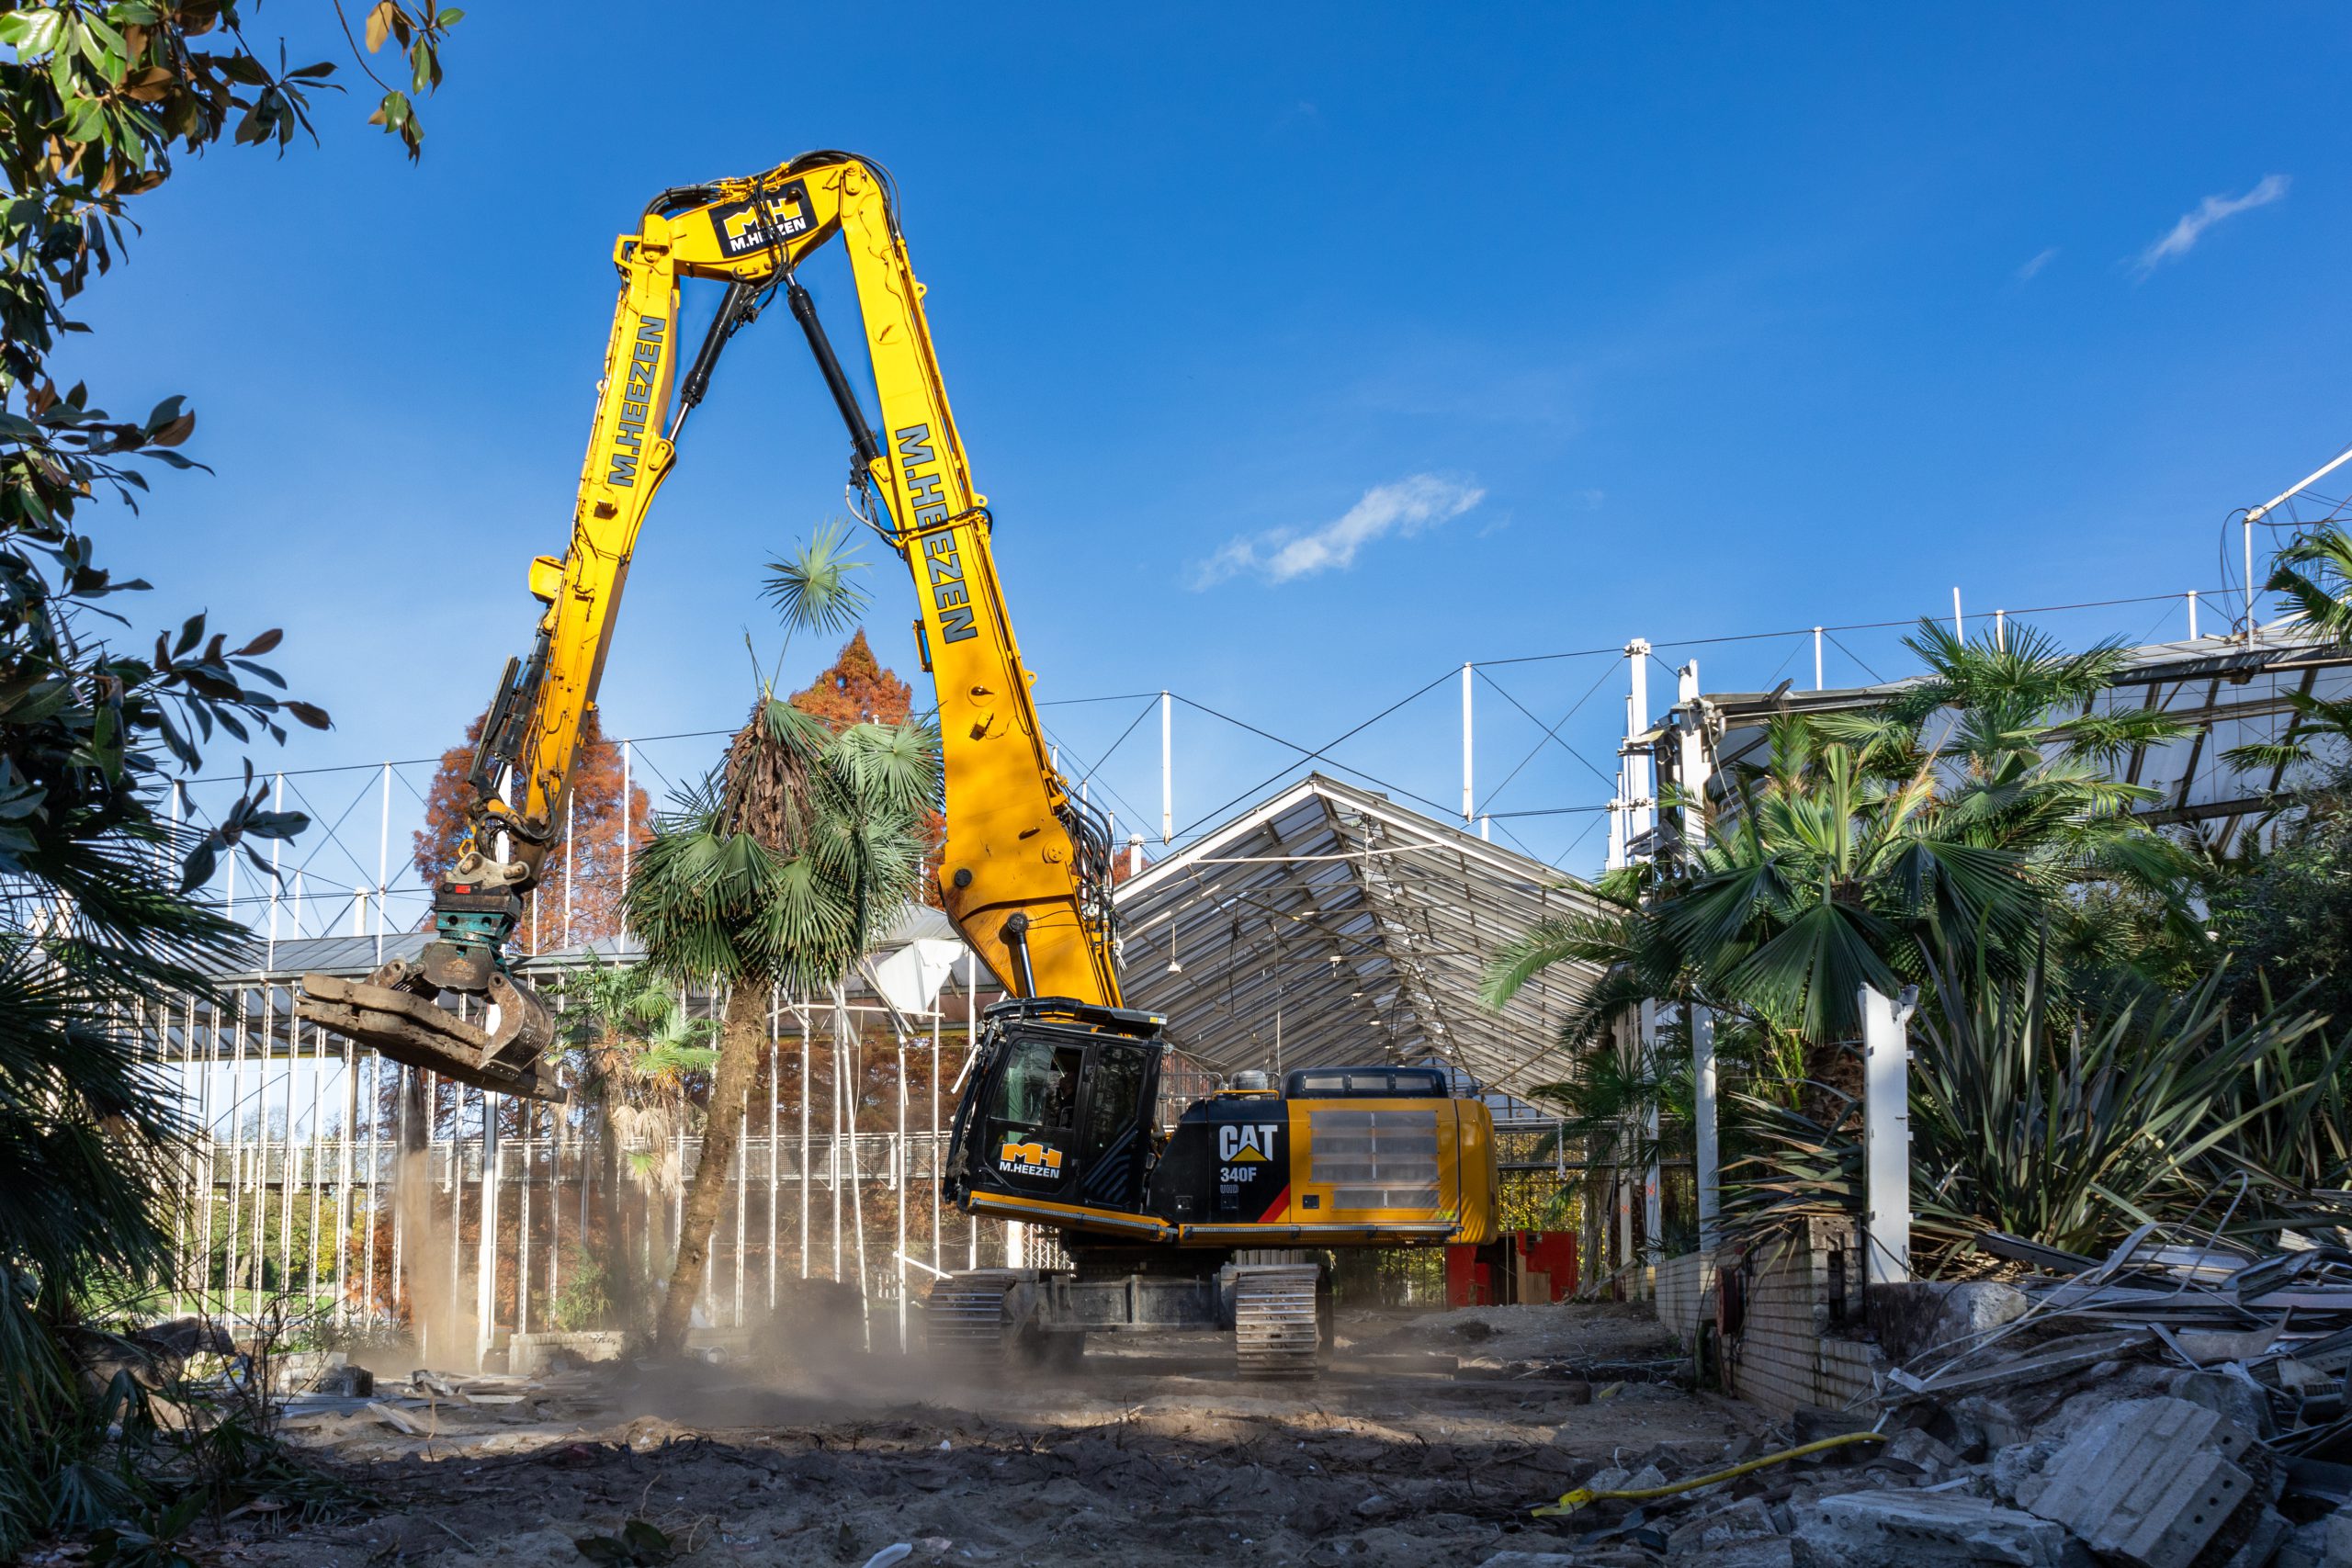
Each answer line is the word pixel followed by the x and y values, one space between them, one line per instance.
pixel 1056 1123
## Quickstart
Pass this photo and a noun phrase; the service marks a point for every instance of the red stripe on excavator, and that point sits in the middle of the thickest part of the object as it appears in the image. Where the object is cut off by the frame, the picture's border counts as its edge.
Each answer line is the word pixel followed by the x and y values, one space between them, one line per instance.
pixel 1274 1209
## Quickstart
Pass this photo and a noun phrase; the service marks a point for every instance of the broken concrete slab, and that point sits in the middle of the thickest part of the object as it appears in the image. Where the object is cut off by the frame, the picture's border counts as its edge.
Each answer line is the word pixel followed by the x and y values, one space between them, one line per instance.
pixel 1765 1551
pixel 2234 1398
pixel 400 1420
pixel 1917 1317
pixel 1747 1520
pixel 1868 1529
pixel 2055 1359
pixel 2148 1481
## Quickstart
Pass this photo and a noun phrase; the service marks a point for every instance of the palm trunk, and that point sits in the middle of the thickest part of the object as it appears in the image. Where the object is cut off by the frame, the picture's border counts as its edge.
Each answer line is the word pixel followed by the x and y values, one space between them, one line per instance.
pixel 738 1063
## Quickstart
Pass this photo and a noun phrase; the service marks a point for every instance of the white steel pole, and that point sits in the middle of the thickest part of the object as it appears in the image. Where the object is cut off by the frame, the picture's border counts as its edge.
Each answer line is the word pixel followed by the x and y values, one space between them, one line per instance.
pixel 1466 746
pixel 1708 1163
pixel 383 859
pixel 1816 659
pixel 1957 629
pixel 628 797
pixel 2192 615
pixel 270 959
pixel 1640 793
pixel 571 863
pixel 1167 772
pixel 1886 1137
pixel 1653 1195
pixel 486 1254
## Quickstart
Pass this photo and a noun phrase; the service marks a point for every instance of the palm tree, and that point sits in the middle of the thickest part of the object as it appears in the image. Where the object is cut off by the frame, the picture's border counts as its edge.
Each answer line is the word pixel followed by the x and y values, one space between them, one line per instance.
pixel 636 1052
pixel 1971 813
pixel 781 870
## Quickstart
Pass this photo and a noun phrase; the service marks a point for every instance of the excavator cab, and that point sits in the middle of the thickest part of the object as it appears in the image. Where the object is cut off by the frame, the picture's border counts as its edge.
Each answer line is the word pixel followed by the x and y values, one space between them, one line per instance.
pixel 1056 1113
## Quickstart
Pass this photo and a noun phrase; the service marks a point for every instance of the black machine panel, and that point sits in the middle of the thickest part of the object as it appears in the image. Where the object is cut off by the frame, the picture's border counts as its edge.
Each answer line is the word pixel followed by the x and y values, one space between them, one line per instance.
pixel 1227 1162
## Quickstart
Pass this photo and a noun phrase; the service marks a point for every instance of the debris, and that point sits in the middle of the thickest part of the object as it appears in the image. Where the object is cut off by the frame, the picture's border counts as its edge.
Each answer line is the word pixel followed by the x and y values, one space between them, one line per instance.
pixel 1747 1520
pixel 897 1552
pixel 2150 1480
pixel 1865 1529
pixel 399 1420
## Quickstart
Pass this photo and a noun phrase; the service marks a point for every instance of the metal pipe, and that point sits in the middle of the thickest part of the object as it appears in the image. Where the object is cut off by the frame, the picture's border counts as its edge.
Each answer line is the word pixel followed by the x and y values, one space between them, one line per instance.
pixel 1167 772
pixel 1466 746
pixel 383 859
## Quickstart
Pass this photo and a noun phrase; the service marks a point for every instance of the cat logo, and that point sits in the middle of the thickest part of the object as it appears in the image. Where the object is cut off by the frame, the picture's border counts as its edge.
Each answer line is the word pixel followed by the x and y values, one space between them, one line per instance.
pixel 1244 1142
pixel 1031 1160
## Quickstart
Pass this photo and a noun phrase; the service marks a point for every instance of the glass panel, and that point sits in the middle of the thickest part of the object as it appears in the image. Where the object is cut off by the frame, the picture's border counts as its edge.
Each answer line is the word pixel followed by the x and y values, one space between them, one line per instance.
pixel 1113 1096
pixel 1040 1085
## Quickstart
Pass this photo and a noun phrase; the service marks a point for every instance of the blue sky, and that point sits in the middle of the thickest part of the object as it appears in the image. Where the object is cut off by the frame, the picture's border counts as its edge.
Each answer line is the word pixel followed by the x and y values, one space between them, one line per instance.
pixel 1304 352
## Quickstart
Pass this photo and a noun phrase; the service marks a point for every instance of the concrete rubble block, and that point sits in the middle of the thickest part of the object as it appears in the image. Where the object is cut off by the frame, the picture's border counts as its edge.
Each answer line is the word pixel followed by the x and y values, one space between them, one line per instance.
pixel 2233 1398
pixel 1920 1449
pixel 2147 1481
pixel 1872 1529
pixel 1747 1520
pixel 2338 1536
pixel 2014 1466
pixel 2266 1533
pixel 1917 1317
pixel 1765 1551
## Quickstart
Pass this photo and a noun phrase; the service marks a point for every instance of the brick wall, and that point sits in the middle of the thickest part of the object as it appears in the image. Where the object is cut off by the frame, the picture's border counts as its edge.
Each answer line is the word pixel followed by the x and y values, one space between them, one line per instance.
pixel 1683 1284
pixel 1800 1341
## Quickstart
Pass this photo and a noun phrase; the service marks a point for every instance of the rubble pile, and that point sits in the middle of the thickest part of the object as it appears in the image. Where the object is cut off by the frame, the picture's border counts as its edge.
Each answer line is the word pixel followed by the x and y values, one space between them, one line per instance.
pixel 2166 1406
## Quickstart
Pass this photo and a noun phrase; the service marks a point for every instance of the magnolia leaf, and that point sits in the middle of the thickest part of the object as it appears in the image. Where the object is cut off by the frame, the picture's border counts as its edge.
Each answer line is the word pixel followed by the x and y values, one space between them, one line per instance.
pixel 316 717
pixel 262 644
pixel 380 24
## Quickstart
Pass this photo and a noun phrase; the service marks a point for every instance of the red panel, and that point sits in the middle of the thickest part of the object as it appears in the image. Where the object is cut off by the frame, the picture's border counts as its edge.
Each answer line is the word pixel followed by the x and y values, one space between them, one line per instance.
pixel 1468 1281
pixel 1553 1253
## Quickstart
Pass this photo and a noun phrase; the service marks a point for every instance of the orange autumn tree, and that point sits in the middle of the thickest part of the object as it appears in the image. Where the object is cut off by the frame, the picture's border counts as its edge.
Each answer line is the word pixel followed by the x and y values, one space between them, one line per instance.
pixel 593 863
pixel 857 688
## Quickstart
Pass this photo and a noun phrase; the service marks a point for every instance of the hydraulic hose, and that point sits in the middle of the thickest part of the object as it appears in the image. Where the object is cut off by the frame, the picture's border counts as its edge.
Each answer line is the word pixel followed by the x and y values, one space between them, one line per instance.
pixel 1571 1501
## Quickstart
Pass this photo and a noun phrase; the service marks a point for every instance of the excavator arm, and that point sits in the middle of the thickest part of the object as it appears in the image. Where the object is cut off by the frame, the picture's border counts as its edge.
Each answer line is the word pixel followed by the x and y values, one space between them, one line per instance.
pixel 1025 871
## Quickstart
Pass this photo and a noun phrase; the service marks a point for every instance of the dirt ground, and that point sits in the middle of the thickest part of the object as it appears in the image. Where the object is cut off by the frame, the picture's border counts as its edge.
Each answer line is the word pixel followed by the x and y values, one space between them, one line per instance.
pixel 1424 1443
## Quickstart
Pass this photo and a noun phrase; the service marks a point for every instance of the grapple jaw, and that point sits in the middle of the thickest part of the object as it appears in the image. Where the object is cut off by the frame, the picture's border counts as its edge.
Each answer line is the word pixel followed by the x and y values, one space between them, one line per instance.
pixel 393 1012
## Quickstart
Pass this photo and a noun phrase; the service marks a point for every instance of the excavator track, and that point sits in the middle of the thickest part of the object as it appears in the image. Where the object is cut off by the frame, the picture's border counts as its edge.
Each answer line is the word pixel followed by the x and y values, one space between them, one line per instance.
pixel 966 1315
pixel 1273 1319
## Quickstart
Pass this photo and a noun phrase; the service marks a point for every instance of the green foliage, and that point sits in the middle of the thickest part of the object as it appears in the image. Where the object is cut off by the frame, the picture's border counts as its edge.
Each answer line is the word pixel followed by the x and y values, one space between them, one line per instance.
pixel 639 1545
pixel 585 1300
pixel 2040 1113
pixel 96 914
pixel 2286 917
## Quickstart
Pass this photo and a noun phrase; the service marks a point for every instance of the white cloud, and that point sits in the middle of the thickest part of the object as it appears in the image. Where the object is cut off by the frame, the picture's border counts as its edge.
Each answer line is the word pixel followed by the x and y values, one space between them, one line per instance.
pixel 2037 264
pixel 1404 508
pixel 2184 235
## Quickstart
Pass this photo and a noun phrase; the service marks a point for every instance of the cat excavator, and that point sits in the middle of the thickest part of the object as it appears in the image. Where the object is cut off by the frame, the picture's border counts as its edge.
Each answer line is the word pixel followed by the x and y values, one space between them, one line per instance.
pixel 1058 1123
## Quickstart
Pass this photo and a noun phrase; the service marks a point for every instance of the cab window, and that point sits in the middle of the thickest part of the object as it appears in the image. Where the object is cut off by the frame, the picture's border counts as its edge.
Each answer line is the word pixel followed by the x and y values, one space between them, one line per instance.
pixel 1040 1085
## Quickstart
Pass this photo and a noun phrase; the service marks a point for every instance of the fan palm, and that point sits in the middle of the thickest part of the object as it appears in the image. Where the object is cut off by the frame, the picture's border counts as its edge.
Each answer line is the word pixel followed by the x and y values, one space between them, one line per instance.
pixel 1972 811
pixel 780 870
pixel 635 1049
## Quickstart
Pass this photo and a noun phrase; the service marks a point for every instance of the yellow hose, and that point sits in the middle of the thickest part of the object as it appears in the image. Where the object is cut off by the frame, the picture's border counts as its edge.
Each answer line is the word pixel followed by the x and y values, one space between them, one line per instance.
pixel 1571 1501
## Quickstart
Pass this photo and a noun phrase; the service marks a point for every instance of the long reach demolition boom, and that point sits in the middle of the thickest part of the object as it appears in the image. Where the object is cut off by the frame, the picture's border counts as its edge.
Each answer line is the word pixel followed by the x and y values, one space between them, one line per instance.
pixel 1025 875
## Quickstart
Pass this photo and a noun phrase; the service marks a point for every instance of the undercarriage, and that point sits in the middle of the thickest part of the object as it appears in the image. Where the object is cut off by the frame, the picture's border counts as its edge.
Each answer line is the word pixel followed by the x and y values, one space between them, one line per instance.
pixel 1277 1306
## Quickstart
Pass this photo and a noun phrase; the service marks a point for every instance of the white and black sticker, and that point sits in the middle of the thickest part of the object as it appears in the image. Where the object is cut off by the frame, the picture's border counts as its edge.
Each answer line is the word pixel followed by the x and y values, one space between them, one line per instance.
pixel 757 224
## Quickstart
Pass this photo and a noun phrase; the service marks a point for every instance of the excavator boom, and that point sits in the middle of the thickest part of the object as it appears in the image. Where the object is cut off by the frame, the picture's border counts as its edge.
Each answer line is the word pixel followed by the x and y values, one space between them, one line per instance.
pixel 1025 868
